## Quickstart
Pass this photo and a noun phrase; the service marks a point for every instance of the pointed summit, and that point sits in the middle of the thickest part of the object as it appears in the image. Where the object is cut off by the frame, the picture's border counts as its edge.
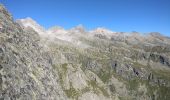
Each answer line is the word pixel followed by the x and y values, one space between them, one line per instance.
pixel 29 22
pixel 102 31
pixel 78 29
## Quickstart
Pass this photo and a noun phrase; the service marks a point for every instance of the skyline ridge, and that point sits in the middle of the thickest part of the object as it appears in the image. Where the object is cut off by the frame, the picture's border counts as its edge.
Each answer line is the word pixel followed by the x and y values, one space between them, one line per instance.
pixel 143 16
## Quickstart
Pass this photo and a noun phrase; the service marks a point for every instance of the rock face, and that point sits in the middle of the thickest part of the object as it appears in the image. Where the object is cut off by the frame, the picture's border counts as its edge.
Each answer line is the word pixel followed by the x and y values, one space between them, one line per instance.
pixel 26 71
pixel 59 64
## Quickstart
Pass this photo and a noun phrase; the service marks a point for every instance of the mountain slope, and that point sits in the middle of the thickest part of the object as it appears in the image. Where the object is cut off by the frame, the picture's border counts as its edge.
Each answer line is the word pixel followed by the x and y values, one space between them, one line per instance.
pixel 59 64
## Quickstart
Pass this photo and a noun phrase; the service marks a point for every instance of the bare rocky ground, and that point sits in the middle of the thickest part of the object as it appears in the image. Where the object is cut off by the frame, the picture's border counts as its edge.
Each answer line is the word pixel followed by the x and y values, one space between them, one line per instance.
pixel 75 64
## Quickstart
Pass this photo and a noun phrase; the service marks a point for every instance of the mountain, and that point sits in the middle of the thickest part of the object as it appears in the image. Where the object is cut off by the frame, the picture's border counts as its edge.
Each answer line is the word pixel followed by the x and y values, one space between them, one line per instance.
pixel 28 22
pixel 76 64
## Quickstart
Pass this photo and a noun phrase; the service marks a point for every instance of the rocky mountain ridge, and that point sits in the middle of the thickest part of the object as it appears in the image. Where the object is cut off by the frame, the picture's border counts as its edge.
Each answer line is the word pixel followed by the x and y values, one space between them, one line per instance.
pixel 76 64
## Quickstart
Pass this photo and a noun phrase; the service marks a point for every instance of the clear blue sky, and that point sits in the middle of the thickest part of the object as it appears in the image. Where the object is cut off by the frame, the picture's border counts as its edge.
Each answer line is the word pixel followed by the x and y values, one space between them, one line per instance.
pixel 117 15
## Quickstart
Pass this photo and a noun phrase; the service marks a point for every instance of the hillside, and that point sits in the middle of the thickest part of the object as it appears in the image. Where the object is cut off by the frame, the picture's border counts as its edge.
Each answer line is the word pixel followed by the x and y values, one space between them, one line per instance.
pixel 75 64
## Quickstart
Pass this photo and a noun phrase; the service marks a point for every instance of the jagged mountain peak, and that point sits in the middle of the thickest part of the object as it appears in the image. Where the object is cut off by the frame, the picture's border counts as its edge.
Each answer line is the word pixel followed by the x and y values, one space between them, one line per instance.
pixel 102 30
pixel 29 19
pixel 78 29
pixel 29 22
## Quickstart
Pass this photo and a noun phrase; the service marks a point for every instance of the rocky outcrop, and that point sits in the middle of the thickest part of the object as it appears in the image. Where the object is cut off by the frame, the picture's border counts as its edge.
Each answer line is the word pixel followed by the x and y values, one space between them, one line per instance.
pixel 26 72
